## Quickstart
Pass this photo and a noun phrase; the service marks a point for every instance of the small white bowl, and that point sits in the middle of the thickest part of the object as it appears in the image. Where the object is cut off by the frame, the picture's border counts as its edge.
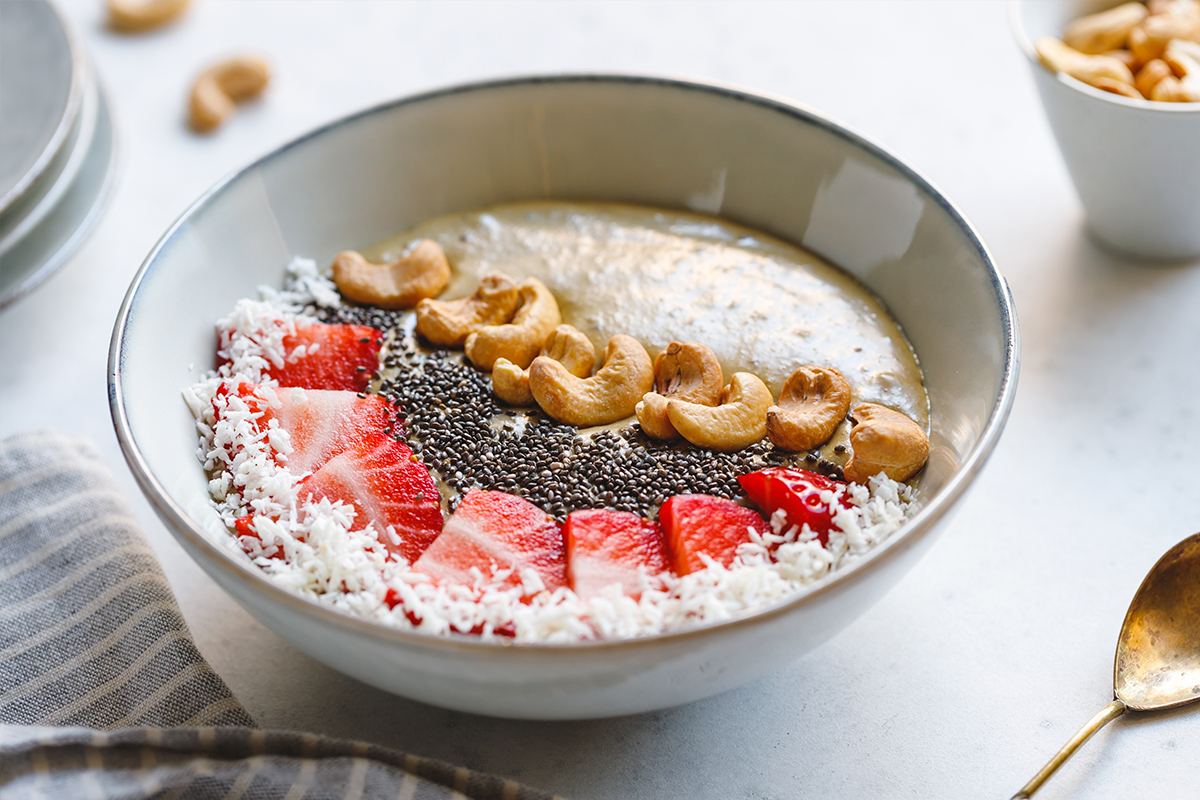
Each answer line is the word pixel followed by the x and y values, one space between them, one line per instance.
pixel 760 161
pixel 1135 163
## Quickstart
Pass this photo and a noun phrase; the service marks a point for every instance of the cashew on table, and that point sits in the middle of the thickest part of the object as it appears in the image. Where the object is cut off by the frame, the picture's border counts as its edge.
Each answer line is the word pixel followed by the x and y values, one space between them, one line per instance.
pixel 686 371
pixel 565 344
pixel 221 87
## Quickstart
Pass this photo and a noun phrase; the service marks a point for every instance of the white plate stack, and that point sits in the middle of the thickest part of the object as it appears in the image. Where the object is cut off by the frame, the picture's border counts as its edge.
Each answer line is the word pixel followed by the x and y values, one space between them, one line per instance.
pixel 56 145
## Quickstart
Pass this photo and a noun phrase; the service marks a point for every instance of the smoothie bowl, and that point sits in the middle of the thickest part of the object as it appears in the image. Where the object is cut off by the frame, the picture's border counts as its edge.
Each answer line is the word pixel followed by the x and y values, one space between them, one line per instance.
pixel 549 555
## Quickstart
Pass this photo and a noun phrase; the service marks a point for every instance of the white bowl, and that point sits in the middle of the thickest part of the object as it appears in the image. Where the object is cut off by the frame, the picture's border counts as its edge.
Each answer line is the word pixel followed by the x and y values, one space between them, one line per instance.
pixel 760 161
pixel 1134 163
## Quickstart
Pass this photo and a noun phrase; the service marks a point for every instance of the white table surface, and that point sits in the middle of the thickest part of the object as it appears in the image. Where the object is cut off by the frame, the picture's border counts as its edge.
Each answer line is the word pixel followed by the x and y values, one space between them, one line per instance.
pixel 989 655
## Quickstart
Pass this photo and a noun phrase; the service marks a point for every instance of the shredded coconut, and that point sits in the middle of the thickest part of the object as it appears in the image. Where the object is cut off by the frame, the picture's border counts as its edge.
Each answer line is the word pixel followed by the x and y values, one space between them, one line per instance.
pixel 306 545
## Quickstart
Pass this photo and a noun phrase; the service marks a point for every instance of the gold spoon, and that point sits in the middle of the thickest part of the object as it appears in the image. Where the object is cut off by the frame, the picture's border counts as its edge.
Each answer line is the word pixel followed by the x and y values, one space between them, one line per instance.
pixel 1158 653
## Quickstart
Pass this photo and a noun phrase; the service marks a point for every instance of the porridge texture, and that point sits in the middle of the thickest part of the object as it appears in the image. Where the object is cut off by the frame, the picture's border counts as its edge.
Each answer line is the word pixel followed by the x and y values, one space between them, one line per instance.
pixel 690 400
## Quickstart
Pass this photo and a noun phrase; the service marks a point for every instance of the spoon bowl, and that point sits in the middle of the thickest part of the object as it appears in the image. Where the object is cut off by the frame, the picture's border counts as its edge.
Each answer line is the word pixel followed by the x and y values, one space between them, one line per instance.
pixel 1158 652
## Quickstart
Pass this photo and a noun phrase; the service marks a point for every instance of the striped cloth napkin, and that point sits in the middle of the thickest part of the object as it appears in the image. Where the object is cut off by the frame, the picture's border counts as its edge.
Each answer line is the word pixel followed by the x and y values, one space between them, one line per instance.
pixel 102 691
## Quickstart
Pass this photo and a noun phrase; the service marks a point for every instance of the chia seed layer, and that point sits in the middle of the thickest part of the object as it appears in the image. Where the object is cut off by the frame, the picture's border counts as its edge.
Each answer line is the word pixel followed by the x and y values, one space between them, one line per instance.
pixel 468 440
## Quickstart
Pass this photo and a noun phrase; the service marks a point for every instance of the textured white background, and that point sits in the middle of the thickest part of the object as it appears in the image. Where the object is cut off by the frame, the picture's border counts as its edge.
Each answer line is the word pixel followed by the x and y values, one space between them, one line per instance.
pixel 990 654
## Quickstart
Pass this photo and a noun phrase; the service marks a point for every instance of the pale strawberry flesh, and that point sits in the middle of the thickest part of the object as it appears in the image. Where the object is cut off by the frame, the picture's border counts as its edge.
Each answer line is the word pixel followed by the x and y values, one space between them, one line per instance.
pixel 610 547
pixel 496 531
pixel 699 525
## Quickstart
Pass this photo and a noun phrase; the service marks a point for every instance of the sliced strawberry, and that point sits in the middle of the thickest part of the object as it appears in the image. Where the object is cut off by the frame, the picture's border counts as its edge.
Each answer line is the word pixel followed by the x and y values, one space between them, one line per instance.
pixel 698 524
pixel 388 487
pixel 501 530
pixel 798 493
pixel 322 356
pixel 321 423
pixel 607 547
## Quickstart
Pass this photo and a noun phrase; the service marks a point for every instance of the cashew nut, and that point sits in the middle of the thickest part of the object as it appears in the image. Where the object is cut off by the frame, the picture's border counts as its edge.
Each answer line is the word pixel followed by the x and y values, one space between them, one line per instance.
pixel 812 404
pixel 1117 87
pixel 1184 58
pixel 565 344
pixel 1061 58
pixel 883 440
pixel 222 86
pixel 739 421
pixel 1106 30
pixel 1149 39
pixel 422 273
pixel 688 372
pixel 517 341
pixel 609 395
pixel 131 16
pixel 1149 76
pixel 448 323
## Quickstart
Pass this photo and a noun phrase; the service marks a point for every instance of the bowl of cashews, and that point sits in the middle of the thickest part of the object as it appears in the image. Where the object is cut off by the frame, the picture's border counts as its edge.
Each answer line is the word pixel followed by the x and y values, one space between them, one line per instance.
pixel 1120 85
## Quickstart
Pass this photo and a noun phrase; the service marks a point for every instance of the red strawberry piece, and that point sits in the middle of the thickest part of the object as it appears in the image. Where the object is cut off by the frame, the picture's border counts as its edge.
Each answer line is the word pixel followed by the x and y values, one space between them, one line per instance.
pixel 495 528
pixel 321 423
pixel 388 487
pixel 322 356
pixel 607 547
pixel 798 493
pixel 699 524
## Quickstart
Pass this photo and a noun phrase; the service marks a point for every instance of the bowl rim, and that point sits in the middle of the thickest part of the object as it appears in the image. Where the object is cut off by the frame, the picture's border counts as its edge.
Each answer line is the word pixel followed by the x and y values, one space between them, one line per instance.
pixel 1017 26
pixel 185 528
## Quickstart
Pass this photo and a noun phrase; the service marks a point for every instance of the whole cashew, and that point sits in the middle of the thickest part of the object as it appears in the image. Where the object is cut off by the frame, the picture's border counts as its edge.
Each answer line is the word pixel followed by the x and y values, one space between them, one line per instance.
pixel 689 372
pixel 1149 76
pixel 740 420
pixel 222 86
pixel 131 16
pixel 517 341
pixel 1107 30
pixel 1067 60
pixel 883 440
pixel 565 344
pixel 609 395
pixel 812 404
pixel 1184 58
pixel 1149 40
pixel 422 273
pixel 448 323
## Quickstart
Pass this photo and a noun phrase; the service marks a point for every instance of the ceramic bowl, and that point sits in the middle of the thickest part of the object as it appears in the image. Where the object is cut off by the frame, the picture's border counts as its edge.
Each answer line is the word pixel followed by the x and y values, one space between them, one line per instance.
pixel 760 161
pixel 1135 164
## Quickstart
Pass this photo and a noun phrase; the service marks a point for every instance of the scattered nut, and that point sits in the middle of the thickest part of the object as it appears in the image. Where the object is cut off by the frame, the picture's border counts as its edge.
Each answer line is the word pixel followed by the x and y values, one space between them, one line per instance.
pixel 1106 30
pixel 565 344
pixel 448 323
pixel 812 404
pixel 1061 58
pixel 517 341
pixel 689 372
pixel 609 395
pixel 883 440
pixel 423 273
pixel 137 16
pixel 739 421
pixel 216 92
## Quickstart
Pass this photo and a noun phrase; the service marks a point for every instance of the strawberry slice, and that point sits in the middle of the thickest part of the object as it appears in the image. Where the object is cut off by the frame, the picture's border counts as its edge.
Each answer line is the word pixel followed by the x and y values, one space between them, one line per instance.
pixel 322 356
pixel 798 493
pixel 496 529
pixel 321 423
pixel 699 524
pixel 388 487
pixel 607 547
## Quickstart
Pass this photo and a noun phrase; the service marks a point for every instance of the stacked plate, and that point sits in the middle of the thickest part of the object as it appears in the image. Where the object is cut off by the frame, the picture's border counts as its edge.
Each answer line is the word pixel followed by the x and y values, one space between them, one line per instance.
pixel 56 145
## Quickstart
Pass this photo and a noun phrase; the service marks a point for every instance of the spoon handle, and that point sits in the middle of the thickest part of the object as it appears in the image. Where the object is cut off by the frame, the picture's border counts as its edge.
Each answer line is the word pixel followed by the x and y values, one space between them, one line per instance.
pixel 1110 712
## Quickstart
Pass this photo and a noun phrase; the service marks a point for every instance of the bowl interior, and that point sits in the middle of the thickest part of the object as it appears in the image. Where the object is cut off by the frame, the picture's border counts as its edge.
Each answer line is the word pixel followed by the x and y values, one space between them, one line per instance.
pixel 761 162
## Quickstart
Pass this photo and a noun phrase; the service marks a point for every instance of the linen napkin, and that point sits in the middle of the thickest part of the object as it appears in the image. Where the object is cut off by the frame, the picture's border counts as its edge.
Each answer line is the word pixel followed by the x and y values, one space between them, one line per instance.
pixel 103 693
